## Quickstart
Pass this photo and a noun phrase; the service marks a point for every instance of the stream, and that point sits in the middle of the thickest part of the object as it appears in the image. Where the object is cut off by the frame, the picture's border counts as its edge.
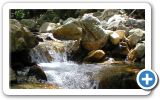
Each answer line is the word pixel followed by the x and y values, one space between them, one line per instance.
pixel 69 74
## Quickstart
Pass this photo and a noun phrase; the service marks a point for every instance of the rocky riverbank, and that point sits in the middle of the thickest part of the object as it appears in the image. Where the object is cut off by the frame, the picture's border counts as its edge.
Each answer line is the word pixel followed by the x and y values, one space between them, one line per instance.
pixel 99 47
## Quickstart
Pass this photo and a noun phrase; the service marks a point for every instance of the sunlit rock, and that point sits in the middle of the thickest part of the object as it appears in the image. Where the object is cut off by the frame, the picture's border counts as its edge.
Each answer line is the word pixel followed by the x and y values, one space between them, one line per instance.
pixel 68 31
pixel 117 36
pixel 94 36
pixel 95 55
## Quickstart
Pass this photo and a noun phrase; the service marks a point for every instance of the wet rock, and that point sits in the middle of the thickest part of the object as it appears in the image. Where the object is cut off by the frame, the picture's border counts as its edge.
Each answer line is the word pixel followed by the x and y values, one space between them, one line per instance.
pixel 117 75
pixel 117 36
pixel 95 55
pixel 38 73
pixel 136 53
pixel 69 31
pixel 136 35
pixel 30 24
pixel 119 81
pixel 21 39
pixel 47 27
pixel 94 36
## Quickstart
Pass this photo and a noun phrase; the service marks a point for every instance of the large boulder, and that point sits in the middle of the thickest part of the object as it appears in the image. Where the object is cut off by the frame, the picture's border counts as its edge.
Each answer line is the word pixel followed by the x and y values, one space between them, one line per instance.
pixel 118 75
pixel 119 80
pixel 21 38
pixel 95 55
pixel 94 36
pixel 136 35
pixel 69 31
pixel 137 53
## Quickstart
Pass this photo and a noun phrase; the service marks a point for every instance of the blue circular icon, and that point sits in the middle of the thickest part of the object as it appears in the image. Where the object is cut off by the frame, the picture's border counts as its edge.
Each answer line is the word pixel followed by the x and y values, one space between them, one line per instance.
pixel 147 79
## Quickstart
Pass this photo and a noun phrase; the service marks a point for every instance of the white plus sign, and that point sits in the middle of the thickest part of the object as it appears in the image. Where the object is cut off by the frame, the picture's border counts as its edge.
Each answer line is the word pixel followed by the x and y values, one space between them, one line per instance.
pixel 147 79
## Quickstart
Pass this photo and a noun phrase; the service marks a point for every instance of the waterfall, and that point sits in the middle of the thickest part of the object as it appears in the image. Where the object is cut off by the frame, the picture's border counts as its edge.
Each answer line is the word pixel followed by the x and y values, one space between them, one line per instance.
pixel 52 58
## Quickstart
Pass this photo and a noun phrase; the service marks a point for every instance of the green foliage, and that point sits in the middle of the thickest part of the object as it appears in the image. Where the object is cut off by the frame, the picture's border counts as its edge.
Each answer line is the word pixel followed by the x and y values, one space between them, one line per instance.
pixel 50 16
pixel 21 13
pixel 44 14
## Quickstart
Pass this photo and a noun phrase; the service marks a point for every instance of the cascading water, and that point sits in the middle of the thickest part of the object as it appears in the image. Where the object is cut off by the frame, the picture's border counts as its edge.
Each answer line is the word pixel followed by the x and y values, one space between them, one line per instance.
pixel 60 71
pixel 47 52
pixel 70 75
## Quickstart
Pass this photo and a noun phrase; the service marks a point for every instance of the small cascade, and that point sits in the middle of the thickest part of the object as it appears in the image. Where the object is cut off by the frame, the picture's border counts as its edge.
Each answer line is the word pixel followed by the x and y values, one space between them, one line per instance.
pixel 70 75
pixel 47 52
pixel 51 56
pixel 53 51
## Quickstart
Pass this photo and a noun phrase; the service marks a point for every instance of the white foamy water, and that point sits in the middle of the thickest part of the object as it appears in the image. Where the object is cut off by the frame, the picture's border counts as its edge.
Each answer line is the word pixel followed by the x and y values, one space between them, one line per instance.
pixel 70 75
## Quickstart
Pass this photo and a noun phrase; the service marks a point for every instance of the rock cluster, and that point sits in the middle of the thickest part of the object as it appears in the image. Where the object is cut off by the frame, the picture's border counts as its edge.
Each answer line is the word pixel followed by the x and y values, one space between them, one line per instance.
pixel 99 34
